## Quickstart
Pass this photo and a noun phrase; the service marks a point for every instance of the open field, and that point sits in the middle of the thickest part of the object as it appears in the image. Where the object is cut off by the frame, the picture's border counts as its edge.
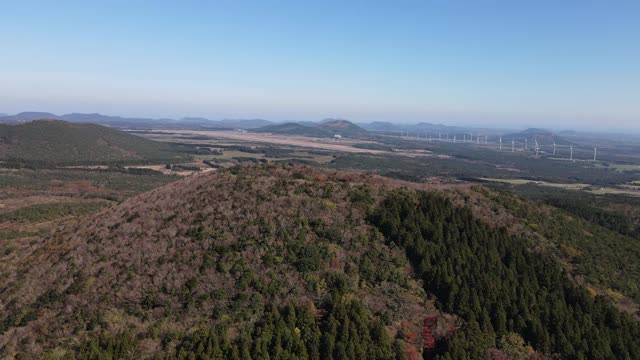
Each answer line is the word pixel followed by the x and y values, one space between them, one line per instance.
pixel 542 183
pixel 624 167
pixel 342 145
pixel 234 154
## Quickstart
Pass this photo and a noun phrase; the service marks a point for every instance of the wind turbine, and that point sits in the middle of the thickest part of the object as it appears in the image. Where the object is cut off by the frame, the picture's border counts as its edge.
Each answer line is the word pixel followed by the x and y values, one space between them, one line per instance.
pixel 571 152
pixel 500 142
pixel 513 145
pixel 554 147
pixel 595 151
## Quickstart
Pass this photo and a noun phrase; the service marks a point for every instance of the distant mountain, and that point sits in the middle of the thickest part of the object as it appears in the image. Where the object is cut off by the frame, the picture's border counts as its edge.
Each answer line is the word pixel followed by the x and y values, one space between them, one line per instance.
pixel 95 118
pixel 56 142
pixel 326 128
pixel 27 116
pixel 380 126
pixel 542 136
pixel 136 123
pixel 424 128
pixel 294 129
pixel 225 123
pixel 35 115
pixel 342 127
pixel 243 123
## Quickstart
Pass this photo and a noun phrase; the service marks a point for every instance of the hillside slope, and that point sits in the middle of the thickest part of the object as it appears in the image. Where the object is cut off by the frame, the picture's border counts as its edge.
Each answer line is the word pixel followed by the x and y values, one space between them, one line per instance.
pixel 286 261
pixel 214 250
pixel 59 142
pixel 342 127
pixel 294 129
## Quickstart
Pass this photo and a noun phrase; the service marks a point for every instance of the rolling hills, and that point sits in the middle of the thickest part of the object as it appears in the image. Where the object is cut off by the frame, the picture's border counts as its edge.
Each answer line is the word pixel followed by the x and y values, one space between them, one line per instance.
pixel 55 142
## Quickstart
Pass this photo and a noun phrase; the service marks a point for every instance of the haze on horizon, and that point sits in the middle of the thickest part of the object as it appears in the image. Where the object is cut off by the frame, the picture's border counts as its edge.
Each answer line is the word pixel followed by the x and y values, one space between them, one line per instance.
pixel 570 64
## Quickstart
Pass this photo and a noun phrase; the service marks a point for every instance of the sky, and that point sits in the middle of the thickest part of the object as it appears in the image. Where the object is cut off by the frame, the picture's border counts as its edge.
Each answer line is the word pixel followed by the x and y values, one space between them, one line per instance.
pixel 511 63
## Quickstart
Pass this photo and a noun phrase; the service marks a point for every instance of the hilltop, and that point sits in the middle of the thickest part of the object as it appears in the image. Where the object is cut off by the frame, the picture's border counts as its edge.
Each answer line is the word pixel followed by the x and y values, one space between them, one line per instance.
pixel 56 142
pixel 231 249
pixel 343 128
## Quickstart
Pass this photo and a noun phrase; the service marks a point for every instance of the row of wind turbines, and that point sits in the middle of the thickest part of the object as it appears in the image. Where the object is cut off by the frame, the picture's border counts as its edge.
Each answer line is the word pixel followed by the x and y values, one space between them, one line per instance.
pixel 480 141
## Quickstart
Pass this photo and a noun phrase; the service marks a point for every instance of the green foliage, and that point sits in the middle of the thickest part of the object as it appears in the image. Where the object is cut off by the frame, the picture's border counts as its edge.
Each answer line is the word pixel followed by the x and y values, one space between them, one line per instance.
pixel 604 210
pixel 498 286
pixel 50 211
pixel 45 143
pixel 346 331
pixel 104 347
pixel 105 181
pixel 12 234
pixel 604 257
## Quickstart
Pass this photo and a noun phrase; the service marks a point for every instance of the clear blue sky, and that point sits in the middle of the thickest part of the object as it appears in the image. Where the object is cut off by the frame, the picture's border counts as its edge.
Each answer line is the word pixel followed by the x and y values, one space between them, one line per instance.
pixel 557 63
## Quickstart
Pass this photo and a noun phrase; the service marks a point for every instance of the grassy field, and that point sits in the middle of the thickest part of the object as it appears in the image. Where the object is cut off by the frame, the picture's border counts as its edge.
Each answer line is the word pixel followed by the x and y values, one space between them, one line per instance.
pixel 624 167
pixel 610 190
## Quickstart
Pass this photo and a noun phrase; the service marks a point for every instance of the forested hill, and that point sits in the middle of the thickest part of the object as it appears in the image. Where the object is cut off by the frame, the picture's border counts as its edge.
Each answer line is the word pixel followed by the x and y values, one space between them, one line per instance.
pixel 291 262
pixel 328 128
pixel 56 142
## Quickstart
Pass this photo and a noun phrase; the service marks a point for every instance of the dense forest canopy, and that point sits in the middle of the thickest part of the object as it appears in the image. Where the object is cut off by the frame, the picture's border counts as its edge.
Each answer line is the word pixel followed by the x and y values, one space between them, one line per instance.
pixel 294 262
pixel 498 286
